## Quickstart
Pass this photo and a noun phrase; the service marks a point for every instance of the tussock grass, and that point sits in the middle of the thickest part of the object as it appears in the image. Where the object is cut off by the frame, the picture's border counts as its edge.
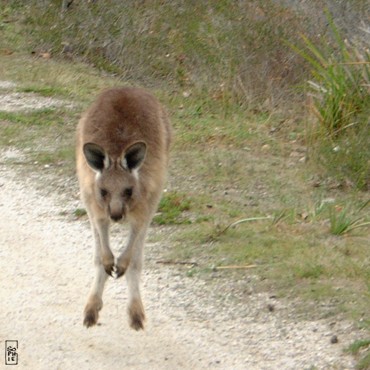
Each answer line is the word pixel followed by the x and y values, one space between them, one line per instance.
pixel 361 348
pixel 341 222
pixel 339 139
pixel 171 208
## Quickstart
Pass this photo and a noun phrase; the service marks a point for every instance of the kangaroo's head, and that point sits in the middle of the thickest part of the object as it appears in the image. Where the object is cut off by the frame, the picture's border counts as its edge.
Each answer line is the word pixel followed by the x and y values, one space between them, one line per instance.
pixel 117 180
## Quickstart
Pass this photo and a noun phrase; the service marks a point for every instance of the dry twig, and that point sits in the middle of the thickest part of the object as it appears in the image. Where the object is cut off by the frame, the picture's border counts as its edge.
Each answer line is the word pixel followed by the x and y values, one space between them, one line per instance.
pixel 171 262
pixel 235 267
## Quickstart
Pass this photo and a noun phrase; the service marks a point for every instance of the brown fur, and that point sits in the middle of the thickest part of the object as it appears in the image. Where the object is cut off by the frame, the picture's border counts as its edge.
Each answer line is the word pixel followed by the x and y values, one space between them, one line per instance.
pixel 122 154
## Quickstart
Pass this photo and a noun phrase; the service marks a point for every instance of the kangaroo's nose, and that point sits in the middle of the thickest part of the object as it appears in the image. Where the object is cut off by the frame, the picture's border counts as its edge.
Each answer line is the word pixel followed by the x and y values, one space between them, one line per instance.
pixel 116 217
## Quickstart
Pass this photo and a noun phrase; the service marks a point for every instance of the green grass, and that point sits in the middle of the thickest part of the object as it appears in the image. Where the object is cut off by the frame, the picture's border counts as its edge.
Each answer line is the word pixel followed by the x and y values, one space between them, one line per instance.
pixel 46 134
pixel 47 91
pixel 341 75
pixel 80 212
pixel 42 117
pixel 299 260
pixel 345 159
pixel 62 79
pixel 171 208
pixel 361 348
pixel 341 222
pixel 339 138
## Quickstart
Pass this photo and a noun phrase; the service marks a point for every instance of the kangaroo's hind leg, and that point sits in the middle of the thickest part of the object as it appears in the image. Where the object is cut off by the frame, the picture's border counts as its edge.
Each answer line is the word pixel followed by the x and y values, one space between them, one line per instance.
pixel 103 258
pixel 131 262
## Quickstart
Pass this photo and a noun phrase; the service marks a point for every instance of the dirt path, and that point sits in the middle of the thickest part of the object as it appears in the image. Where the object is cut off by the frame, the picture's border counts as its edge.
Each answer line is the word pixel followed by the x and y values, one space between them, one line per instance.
pixel 45 274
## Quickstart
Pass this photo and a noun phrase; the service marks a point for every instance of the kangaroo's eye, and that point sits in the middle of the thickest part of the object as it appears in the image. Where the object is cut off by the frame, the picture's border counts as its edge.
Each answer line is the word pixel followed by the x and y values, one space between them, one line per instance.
pixel 103 193
pixel 127 193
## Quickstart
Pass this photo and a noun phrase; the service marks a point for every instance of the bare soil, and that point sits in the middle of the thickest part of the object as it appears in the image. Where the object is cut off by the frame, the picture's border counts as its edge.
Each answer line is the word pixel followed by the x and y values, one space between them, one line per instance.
pixel 192 323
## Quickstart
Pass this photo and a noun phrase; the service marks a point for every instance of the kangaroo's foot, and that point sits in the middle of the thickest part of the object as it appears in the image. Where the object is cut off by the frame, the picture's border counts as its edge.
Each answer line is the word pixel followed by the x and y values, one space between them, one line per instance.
pixel 137 315
pixel 91 312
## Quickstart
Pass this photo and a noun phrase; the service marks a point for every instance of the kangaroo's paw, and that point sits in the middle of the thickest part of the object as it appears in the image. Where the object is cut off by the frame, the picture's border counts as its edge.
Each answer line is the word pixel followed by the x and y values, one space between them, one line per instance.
pixel 108 263
pixel 91 312
pixel 119 271
pixel 137 315
pixel 121 266
pixel 109 269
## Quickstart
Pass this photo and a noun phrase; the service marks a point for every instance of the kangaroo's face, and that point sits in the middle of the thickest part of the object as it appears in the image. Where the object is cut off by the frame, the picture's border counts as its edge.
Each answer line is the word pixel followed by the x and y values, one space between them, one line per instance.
pixel 116 181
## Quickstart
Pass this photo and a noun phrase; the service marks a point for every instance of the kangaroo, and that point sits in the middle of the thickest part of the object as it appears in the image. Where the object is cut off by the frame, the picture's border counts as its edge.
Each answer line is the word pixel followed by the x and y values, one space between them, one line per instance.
pixel 123 141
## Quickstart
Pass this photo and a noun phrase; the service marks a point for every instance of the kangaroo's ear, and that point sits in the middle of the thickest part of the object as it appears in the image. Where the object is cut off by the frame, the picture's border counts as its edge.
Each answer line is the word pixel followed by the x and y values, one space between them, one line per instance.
pixel 96 157
pixel 134 156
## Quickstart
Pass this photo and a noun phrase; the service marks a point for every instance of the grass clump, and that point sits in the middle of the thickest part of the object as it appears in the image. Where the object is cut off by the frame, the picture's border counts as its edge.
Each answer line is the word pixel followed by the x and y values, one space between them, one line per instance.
pixel 361 349
pixel 171 209
pixel 80 212
pixel 341 222
pixel 340 102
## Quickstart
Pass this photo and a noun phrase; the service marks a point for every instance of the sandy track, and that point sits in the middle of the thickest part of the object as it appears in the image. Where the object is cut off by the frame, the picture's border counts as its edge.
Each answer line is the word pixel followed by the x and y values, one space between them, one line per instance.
pixel 45 273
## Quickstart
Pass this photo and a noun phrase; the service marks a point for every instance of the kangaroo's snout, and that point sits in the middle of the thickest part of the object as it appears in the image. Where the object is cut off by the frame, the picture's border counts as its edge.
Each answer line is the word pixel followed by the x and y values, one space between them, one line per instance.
pixel 116 212
pixel 117 209
pixel 116 217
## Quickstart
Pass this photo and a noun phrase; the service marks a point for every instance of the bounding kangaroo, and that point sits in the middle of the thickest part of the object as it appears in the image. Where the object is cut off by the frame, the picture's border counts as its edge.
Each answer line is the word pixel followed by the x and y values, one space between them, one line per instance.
pixel 122 154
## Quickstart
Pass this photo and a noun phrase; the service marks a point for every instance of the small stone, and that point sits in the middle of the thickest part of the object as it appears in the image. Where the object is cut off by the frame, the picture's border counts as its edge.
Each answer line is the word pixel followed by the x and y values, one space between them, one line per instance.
pixel 334 339
pixel 294 154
